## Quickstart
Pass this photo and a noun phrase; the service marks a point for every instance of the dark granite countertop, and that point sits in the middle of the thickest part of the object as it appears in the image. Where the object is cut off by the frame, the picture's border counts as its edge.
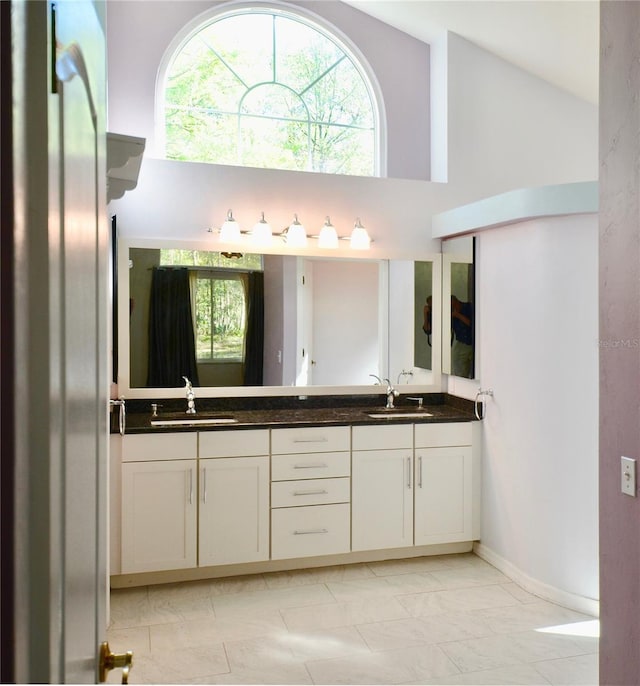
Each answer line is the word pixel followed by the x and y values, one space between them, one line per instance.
pixel 288 412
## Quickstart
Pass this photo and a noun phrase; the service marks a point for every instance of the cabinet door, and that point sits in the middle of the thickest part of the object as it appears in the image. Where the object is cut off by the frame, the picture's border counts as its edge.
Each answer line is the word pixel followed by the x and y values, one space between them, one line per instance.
pixel 443 498
pixel 382 499
pixel 158 515
pixel 234 510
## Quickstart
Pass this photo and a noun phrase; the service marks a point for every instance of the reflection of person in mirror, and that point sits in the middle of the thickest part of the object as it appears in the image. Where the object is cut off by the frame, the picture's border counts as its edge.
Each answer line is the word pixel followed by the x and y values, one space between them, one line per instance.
pixel 426 319
pixel 462 337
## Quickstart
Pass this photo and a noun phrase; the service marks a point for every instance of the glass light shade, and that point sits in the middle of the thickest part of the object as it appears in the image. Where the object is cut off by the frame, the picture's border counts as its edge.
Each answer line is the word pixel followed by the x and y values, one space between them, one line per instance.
pixel 296 235
pixel 328 237
pixel 230 230
pixel 262 233
pixel 360 239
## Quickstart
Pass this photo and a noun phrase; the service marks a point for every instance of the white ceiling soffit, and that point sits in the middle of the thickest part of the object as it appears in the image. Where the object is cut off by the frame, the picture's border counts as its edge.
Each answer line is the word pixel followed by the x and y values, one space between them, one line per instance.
pixel 557 40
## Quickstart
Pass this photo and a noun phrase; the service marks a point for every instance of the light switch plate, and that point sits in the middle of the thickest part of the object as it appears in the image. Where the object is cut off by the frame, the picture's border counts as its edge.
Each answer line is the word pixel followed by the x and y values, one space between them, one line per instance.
pixel 628 476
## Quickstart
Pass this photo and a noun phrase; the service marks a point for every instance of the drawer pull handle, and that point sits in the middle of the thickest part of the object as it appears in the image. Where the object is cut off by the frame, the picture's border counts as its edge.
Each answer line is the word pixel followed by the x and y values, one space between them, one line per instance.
pixel 320 439
pixel 303 532
pixel 316 492
pixel 310 466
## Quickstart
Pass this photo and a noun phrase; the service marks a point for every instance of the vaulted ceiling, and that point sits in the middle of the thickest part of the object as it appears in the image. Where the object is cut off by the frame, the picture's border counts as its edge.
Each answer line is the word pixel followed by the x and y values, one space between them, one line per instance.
pixel 557 40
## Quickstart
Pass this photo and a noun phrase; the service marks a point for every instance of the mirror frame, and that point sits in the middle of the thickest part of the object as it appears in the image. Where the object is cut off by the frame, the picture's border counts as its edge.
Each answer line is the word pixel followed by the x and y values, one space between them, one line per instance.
pixel 458 251
pixel 123 379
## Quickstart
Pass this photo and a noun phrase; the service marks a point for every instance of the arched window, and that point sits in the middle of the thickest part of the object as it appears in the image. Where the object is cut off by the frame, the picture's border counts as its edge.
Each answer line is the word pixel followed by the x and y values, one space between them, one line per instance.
pixel 264 87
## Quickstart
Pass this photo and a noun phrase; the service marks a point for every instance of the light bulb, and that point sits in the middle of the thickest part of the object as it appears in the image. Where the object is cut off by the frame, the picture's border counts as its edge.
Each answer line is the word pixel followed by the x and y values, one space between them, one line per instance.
pixel 359 237
pixel 328 237
pixel 262 233
pixel 296 235
pixel 230 230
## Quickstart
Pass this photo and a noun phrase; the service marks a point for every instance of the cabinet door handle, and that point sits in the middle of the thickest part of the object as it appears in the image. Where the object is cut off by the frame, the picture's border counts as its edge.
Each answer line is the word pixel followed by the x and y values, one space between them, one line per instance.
pixel 316 492
pixel 408 472
pixel 204 485
pixel 319 439
pixel 304 532
pixel 310 466
pixel 191 487
pixel 420 471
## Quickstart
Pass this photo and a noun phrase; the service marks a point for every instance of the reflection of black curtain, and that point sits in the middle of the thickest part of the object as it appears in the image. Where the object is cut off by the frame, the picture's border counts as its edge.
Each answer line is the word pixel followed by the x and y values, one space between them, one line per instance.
pixel 172 352
pixel 254 342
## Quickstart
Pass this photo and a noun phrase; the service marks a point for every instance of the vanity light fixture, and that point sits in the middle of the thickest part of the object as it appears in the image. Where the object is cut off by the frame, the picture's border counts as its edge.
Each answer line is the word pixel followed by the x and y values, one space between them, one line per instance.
pixel 360 239
pixel 262 234
pixel 230 230
pixel 328 237
pixel 295 235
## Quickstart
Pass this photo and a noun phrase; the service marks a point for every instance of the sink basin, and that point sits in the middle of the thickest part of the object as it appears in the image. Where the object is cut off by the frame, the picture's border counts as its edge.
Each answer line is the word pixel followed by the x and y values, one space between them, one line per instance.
pixel 393 414
pixel 194 421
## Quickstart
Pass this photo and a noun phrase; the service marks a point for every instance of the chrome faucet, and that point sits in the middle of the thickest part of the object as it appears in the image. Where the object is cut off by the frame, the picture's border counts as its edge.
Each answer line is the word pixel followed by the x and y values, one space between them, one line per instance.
pixel 391 391
pixel 191 406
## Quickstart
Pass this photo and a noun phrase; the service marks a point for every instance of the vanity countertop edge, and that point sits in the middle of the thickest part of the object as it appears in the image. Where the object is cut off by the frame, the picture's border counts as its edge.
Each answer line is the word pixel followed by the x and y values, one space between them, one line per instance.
pixel 271 413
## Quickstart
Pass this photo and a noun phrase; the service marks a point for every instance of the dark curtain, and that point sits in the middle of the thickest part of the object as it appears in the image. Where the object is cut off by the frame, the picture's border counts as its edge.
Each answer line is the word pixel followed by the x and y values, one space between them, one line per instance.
pixel 172 352
pixel 254 341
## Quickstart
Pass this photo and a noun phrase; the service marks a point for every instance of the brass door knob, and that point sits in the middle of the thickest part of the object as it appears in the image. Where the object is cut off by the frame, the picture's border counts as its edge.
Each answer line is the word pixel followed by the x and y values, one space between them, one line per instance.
pixel 109 661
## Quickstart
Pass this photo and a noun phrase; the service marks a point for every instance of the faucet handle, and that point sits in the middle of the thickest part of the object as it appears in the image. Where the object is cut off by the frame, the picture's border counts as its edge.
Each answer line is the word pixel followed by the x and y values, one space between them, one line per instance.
pixel 419 400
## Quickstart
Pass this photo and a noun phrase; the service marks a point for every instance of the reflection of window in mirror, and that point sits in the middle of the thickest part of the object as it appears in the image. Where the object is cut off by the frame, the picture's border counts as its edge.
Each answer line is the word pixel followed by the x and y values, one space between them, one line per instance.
pixel 423 315
pixel 458 303
pixel 332 318
pixel 219 295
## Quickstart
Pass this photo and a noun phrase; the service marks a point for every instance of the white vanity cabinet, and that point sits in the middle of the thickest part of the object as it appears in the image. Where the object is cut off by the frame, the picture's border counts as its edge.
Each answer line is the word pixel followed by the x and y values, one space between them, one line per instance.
pixel 159 502
pixel 186 501
pixel 443 483
pixel 414 485
pixel 382 487
pixel 233 517
pixel 310 491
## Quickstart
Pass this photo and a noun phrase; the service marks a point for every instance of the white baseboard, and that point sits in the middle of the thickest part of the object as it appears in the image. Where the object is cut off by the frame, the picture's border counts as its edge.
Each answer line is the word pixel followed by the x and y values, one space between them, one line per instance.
pixel 589 606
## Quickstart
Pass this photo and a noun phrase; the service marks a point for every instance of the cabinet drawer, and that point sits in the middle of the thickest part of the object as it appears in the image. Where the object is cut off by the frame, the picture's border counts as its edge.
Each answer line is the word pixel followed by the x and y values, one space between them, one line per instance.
pixel 310 492
pixel 308 531
pixel 234 443
pixel 437 435
pixel 310 466
pixel 151 447
pixel 382 437
pixel 310 440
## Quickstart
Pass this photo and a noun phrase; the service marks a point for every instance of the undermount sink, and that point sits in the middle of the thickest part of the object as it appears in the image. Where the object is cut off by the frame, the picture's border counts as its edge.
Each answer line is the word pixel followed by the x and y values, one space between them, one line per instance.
pixel 395 414
pixel 191 421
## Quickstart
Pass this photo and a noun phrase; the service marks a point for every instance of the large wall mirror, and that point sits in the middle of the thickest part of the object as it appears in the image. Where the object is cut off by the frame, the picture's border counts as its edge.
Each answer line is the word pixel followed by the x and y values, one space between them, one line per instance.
pixel 267 324
pixel 459 318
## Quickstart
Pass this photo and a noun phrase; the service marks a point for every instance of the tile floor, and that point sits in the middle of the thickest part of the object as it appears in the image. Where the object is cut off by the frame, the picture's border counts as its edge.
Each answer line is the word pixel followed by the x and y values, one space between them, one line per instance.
pixel 452 619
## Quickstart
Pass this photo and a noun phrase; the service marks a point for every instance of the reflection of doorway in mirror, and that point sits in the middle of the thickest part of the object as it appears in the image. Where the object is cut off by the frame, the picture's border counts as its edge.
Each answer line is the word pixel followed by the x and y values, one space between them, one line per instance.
pixel 342 345
pixel 423 304
pixel 462 320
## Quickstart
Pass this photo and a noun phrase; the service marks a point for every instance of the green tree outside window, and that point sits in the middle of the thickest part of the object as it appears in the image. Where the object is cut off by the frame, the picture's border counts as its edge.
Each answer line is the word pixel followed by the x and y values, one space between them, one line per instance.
pixel 268 89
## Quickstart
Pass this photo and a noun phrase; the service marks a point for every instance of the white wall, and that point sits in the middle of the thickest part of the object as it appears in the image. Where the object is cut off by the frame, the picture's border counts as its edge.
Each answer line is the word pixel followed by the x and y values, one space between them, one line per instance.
pixel 538 335
pixel 498 140
pixel 509 129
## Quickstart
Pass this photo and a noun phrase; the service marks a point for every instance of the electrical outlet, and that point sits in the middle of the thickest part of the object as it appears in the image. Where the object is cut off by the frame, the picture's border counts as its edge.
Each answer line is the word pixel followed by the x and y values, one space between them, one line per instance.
pixel 628 476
